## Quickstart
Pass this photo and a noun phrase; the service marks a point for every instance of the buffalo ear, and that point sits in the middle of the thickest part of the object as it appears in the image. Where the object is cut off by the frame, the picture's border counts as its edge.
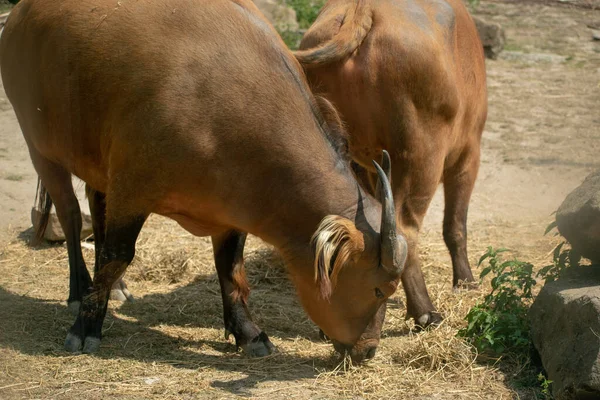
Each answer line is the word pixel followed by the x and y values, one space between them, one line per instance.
pixel 335 242
pixel 336 130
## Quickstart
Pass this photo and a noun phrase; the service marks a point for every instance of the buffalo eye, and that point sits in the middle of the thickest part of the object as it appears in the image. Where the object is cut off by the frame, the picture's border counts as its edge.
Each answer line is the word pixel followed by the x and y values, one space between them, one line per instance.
pixel 379 294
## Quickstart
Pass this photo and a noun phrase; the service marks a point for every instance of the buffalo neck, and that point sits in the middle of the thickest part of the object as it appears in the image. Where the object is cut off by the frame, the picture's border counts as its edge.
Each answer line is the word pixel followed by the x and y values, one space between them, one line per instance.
pixel 296 215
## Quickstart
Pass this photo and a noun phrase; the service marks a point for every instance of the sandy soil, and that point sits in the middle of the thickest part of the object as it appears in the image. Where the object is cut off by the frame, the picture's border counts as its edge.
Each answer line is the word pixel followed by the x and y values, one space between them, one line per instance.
pixel 542 138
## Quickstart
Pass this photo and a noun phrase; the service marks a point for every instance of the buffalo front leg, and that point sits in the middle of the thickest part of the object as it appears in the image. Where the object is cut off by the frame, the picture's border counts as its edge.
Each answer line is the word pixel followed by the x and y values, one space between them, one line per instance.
pixel 414 182
pixel 229 260
pixel 458 186
pixel 117 252
pixel 418 303
pixel 97 202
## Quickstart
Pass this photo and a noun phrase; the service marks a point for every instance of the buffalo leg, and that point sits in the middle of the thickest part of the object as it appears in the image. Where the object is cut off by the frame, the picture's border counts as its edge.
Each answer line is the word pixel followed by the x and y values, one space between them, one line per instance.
pixel 418 303
pixel 229 260
pixel 97 201
pixel 414 187
pixel 458 186
pixel 57 182
pixel 117 252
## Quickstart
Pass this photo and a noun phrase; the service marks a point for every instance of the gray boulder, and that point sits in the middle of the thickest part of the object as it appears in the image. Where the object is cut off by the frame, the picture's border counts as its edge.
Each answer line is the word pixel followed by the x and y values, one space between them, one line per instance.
pixel 281 16
pixel 578 218
pixel 492 37
pixel 54 232
pixel 565 328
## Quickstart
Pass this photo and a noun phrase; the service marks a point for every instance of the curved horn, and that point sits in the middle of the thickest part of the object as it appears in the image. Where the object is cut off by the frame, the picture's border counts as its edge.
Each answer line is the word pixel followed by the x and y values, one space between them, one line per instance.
pixel 392 248
pixel 386 165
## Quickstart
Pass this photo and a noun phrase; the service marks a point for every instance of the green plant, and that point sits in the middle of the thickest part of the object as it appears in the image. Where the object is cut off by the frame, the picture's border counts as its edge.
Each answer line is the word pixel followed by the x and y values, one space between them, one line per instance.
pixel 561 258
pixel 473 4
pixel 499 323
pixel 306 11
pixel 291 38
pixel 545 386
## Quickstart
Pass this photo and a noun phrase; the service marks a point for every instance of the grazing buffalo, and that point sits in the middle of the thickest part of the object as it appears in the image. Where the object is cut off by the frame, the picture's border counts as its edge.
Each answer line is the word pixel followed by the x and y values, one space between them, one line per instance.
pixel 197 111
pixel 408 76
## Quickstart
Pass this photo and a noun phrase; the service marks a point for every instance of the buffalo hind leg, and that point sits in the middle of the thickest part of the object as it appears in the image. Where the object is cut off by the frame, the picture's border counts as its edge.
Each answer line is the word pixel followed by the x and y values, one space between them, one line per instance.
pixel 458 186
pixel 117 252
pixel 57 181
pixel 229 260
pixel 97 202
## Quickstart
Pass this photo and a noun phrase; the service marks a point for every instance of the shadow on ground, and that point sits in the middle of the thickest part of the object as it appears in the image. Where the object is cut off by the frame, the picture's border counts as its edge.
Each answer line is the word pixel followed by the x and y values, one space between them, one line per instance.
pixel 38 327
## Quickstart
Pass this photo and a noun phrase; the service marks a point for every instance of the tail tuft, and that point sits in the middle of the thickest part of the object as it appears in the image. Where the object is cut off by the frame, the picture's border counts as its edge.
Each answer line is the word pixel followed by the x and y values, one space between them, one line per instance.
pixel 44 205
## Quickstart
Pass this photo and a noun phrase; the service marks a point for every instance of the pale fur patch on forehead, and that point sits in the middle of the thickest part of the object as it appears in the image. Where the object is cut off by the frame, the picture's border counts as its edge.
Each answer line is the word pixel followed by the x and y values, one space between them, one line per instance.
pixel 335 242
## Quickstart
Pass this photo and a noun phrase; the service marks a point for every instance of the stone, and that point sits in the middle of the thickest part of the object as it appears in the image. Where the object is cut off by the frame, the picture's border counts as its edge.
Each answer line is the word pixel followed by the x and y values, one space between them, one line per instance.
pixel 281 16
pixel 54 232
pixel 492 37
pixel 578 218
pixel 565 329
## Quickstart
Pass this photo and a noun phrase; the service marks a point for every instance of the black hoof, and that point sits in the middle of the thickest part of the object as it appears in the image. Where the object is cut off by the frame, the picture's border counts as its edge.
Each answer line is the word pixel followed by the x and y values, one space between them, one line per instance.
pixel 428 320
pixel 462 286
pixel 260 346
pixel 74 344
pixel 119 292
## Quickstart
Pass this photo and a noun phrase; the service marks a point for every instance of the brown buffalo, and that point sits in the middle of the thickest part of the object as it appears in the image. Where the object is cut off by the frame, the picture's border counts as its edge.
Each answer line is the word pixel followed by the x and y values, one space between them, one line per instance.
pixel 408 76
pixel 197 111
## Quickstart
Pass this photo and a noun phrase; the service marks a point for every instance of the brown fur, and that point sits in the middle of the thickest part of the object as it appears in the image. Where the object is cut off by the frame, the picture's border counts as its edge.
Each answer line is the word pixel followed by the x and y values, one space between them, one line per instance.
pixel 413 84
pixel 241 289
pixel 355 25
pixel 333 126
pixel 195 110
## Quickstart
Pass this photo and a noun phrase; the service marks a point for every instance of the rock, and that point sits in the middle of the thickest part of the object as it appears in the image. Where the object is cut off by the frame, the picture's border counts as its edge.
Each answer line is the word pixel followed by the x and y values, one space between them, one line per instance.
pixel 578 218
pixel 54 232
pixel 492 37
pixel 596 35
pixel 281 16
pixel 565 328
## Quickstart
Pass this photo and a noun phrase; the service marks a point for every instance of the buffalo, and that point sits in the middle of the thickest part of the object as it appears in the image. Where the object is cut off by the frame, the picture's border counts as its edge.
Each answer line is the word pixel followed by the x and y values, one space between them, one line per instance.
pixel 409 77
pixel 196 110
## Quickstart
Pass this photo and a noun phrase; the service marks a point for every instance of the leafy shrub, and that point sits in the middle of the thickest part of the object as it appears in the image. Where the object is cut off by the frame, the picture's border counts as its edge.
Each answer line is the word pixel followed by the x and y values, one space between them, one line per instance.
pixel 499 323
pixel 561 259
pixel 306 11
pixel 545 386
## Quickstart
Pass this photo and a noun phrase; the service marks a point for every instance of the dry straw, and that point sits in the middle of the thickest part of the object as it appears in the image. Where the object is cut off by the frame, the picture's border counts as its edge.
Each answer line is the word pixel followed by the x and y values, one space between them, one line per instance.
pixel 169 343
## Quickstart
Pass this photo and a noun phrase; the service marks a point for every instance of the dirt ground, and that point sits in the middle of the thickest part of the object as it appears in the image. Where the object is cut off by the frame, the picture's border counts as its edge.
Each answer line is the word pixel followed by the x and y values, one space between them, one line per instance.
pixel 542 138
